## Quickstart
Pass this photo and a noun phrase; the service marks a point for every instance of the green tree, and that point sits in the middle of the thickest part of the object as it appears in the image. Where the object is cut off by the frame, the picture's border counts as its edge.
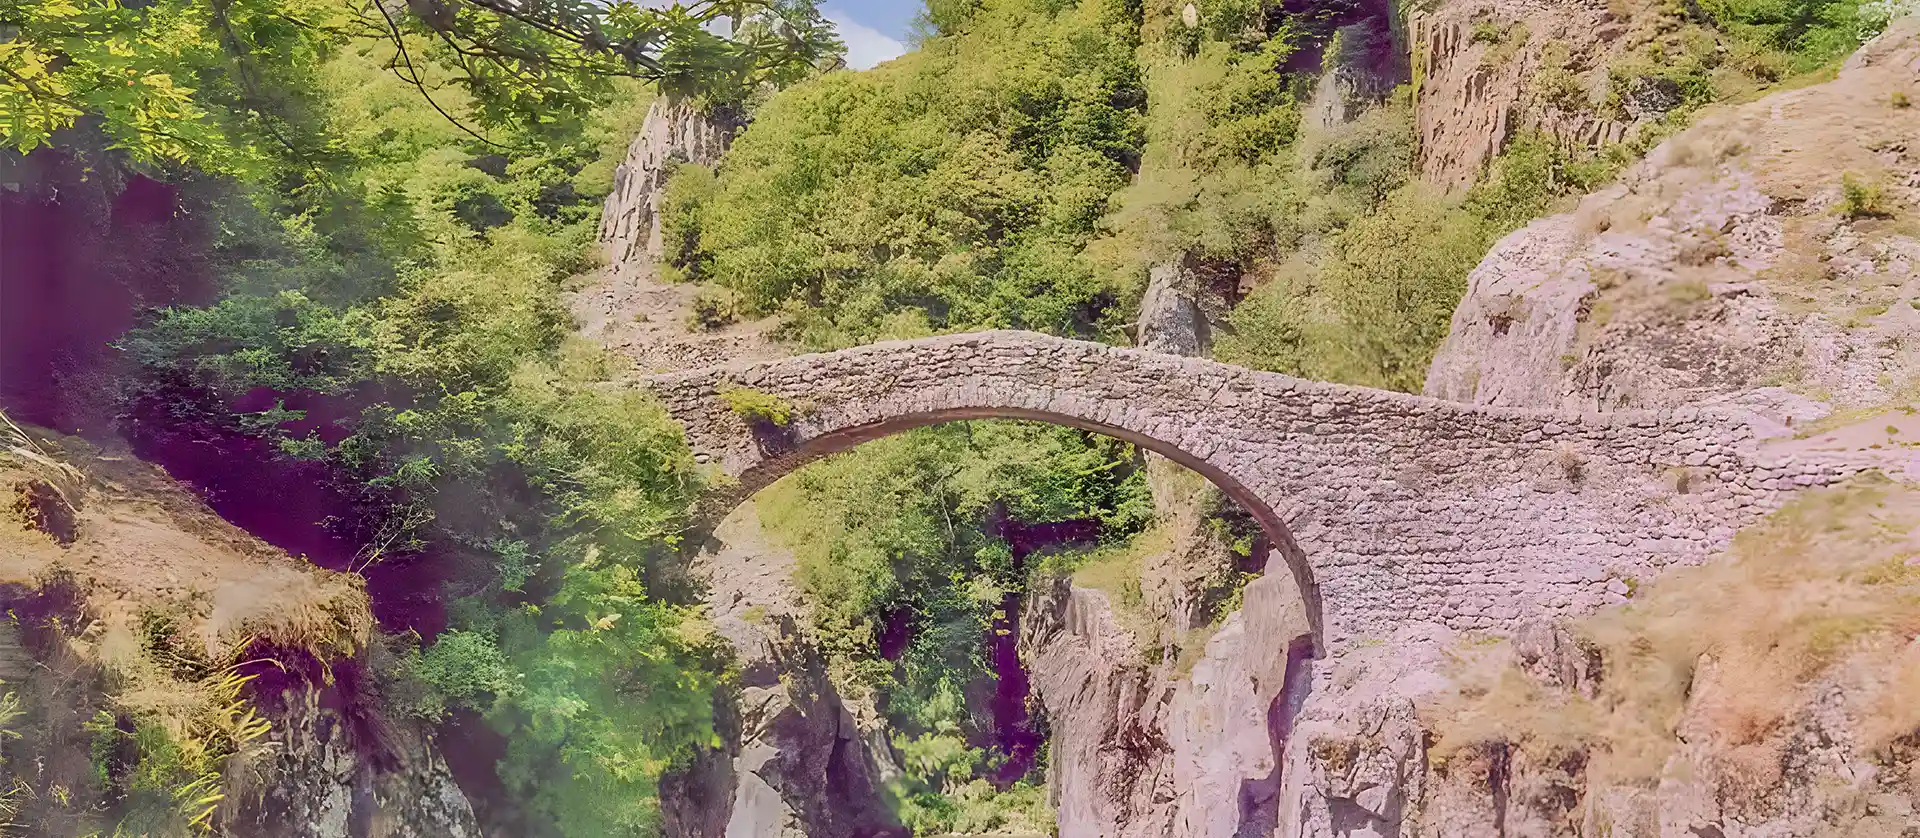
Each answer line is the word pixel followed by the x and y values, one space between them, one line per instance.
pixel 222 85
pixel 952 188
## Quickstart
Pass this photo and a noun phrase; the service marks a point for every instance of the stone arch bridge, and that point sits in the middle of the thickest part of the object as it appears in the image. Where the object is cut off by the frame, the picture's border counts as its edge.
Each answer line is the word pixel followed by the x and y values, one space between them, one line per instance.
pixel 1388 507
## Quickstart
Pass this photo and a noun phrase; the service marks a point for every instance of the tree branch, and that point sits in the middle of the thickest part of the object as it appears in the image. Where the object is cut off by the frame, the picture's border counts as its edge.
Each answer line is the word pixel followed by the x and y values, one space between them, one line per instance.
pixel 413 78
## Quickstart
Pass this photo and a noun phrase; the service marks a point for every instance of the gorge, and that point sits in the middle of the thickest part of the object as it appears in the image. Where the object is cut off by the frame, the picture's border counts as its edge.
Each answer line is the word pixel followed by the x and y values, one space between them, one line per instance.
pixel 1132 418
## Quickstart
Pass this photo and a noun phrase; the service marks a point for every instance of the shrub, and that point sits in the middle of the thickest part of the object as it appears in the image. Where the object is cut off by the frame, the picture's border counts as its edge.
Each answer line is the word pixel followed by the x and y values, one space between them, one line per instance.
pixel 1861 198
pixel 1559 87
pixel 464 670
pixel 1899 99
pixel 758 407
pixel 1813 34
pixel 689 187
pixel 712 309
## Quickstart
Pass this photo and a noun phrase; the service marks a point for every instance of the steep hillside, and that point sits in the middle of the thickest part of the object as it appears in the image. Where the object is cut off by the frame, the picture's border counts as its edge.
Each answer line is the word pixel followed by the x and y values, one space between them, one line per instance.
pixel 153 647
pixel 372 533
pixel 1767 254
pixel 1281 218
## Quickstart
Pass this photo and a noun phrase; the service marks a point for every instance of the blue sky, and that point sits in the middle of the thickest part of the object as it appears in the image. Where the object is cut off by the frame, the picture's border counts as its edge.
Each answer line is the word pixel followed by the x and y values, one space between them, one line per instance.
pixel 875 30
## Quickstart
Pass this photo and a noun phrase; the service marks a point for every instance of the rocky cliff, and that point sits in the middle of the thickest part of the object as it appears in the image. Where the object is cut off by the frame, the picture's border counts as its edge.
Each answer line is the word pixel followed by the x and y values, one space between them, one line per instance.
pixel 674 132
pixel 801 759
pixel 1759 258
pixel 1183 745
pixel 1768 256
pixel 1478 67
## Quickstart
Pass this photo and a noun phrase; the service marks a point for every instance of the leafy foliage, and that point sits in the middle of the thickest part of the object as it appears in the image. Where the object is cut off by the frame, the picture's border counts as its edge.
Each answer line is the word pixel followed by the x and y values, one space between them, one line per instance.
pixel 553 59
pixel 173 779
pixel 758 406
pixel 221 86
pixel 1814 33
pixel 1378 301
pixel 169 81
pixel 434 389
pixel 932 573
pixel 953 187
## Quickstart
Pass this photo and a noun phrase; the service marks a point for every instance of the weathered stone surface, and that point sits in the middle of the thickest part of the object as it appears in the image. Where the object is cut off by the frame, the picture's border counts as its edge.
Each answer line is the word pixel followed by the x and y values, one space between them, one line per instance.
pixel 799 760
pixel 323 785
pixel 1391 508
pixel 1477 92
pixel 673 133
pixel 1228 722
pixel 1108 764
pixel 1722 267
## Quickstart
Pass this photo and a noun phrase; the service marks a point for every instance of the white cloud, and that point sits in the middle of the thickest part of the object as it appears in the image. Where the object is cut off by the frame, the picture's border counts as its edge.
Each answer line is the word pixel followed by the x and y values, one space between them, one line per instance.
pixel 866 46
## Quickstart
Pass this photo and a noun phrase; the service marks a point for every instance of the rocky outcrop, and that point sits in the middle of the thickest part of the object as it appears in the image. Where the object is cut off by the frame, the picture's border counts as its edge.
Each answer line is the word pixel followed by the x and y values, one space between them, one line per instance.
pixel 805 766
pixel 1139 749
pixel 324 782
pixel 1733 266
pixel 1109 763
pixel 674 132
pixel 1730 265
pixel 801 759
pixel 1362 760
pixel 1485 70
pixel 1228 722
pixel 1143 750
pixel 628 306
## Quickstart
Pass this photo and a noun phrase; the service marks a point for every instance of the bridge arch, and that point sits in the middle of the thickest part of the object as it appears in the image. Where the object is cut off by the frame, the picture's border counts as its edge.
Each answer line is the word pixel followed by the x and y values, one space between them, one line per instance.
pixel 1388 508
pixel 791 451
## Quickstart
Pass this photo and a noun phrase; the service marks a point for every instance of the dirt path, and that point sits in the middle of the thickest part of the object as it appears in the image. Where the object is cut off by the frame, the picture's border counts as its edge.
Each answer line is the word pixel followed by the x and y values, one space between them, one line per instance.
pixel 631 311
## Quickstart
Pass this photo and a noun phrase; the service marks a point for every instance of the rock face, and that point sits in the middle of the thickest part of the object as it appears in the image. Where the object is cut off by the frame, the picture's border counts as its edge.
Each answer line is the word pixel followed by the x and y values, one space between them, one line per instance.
pixel 1360 761
pixel 1144 750
pixel 1729 265
pixel 673 133
pixel 1488 69
pixel 1147 750
pixel 1108 767
pixel 801 760
pixel 1228 722
pixel 805 767
pixel 628 307
pixel 323 785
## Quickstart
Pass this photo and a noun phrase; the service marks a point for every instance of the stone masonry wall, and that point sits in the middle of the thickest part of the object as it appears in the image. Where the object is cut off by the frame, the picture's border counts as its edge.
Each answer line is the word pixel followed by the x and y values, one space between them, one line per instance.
pixel 1392 508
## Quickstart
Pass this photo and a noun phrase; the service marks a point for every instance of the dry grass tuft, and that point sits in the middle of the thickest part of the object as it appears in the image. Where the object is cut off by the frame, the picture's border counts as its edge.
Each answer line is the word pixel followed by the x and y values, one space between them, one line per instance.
pixel 166 601
pixel 42 462
pixel 289 609
pixel 1723 654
